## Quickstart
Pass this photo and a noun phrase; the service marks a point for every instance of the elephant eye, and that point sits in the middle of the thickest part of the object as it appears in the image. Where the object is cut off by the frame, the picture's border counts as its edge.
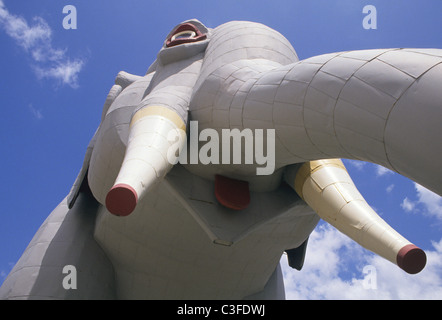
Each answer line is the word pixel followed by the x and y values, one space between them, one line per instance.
pixel 183 35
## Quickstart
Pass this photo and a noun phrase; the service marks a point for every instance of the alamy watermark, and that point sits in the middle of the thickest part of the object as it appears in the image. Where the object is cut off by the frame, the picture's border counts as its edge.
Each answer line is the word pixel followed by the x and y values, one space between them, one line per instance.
pixel 226 148
pixel 370 281
pixel 70 280
pixel 70 20
pixel 370 21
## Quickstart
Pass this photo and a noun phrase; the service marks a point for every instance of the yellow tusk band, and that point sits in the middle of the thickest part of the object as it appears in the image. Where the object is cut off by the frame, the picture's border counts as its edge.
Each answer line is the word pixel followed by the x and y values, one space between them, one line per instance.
pixel 310 167
pixel 159 111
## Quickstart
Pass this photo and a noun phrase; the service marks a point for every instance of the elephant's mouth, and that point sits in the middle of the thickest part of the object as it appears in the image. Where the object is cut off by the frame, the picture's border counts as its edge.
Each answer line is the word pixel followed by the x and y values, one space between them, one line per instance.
pixel 185 33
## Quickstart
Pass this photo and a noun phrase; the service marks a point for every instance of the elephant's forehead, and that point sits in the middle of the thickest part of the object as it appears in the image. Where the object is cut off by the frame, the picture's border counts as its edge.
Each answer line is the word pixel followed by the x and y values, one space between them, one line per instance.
pixel 239 40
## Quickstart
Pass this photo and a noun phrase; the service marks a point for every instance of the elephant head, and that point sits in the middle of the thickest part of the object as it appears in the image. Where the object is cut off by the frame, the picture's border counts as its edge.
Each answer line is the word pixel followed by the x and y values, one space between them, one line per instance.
pixel 382 106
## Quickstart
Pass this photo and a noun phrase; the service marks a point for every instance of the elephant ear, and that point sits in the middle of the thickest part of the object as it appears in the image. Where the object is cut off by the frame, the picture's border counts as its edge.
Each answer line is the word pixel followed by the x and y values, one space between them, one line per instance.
pixel 82 175
pixel 122 81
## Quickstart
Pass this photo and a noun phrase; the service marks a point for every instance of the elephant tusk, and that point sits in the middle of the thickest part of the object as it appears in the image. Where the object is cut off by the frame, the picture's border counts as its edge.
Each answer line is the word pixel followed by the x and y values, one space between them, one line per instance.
pixel 328 189
pixel 146 160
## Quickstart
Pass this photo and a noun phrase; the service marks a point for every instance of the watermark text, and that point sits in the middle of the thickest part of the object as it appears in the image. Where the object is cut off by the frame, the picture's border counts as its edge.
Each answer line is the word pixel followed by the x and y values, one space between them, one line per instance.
pixel 233 146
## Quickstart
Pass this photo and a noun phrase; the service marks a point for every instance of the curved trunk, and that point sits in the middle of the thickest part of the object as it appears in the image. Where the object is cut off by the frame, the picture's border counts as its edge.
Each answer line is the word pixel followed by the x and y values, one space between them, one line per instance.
pixel 382 106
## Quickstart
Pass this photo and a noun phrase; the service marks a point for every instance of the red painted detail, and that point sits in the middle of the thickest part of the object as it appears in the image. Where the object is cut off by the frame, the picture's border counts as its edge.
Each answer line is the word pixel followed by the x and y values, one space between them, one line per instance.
pixel 232 193
pixel 411 258
pixel 121 200
pixel 185 27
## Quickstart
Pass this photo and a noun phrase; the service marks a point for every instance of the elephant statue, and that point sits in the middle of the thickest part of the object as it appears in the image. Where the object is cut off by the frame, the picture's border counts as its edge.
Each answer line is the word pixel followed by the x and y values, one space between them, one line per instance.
pixel 225 155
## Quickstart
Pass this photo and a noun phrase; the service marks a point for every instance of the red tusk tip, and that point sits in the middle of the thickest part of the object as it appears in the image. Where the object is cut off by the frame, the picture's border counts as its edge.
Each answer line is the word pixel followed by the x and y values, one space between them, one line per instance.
pixel 411 259
pixel 121 200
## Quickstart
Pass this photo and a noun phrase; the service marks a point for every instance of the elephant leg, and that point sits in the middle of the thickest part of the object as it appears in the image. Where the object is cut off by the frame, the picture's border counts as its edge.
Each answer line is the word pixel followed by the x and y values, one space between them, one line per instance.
pixel 63 261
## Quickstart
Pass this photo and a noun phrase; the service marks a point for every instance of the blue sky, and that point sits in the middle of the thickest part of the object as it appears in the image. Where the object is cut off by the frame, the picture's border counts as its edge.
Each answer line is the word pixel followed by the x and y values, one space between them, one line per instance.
pixel 54 82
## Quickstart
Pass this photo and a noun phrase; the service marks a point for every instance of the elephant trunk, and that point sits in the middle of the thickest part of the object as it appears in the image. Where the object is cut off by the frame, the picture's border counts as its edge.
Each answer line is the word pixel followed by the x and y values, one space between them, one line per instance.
pixel 381 106
pixel 327 188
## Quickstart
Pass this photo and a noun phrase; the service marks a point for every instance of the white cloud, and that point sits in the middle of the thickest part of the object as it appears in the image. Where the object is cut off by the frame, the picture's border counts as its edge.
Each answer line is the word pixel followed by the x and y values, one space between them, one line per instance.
pixel 431 201
pixel 361 165
pixel 408 205
pixel 36 40
pixel 355 163
pixel 326 273
pixel 381 171
pixel 66 72
pixel 35 112
pixel 427 203
pixel 390 188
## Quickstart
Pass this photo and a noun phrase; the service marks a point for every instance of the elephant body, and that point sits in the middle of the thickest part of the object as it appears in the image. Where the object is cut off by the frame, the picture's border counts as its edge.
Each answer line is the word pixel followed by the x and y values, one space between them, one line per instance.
pixel 178 239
